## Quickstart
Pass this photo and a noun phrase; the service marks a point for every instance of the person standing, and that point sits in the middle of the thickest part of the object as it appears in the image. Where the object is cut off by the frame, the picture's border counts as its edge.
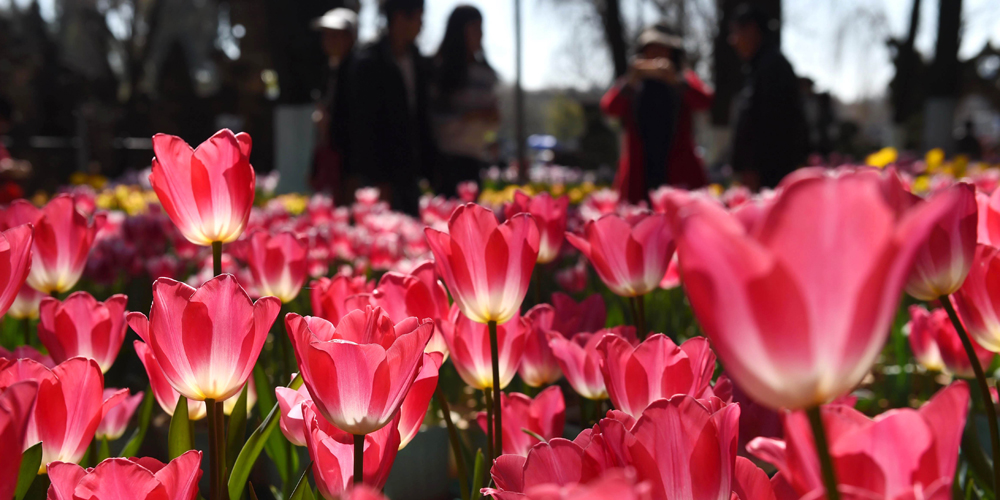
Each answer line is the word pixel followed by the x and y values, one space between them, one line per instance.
pixel 771 138
pixel 465 114
pixel 390 142
pixel 339 31
pixel 655 102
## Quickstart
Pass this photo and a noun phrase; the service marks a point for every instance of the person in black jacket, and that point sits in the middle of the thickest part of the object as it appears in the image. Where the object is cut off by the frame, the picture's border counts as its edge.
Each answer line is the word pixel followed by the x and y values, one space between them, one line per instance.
pixel 390 141
pixel 771 136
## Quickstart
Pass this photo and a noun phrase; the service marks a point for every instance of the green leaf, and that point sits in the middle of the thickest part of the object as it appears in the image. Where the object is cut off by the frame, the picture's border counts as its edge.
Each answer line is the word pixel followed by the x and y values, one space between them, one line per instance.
pixel 253 494
pixel 533 434
pixel 254 445
pixel 302 490
pixel 103 450
pixel 179 434
pixel 265 393
pixel 39 488
pixel 237 427
pixel 131 447
pixel 31 460
pixel 477 476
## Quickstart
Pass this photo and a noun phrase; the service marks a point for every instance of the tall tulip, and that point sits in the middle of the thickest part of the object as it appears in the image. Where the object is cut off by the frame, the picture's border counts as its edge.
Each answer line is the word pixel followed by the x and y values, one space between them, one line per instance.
pixel 62 240
pixel 937 346
pixel 278 263
pixel 82 326
pixel 16 404
pixel 538 365
pixel 333 452
pixel 580 360
pixel 69 407
pixel 550 215
pixel 15 262
pixel 469 343
pixel 942 263
pixel 131 478
pixel 207 192
pixel 544 415
pixel 116 420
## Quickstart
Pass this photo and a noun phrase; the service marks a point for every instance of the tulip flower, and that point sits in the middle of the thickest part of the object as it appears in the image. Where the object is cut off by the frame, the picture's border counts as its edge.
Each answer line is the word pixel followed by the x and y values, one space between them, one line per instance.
pixel 619 484
pixel 15 257
pixel 572 318
pixel 630 259
pixel 62 240
pixel 549 214
pixel 69 407
pixel 329 296
pixel 206 340
pixel 937 346
pixel 637 375
pixel 902 453
pixel 977 301
pixel 469 343
pixel 207 192
pixel 558 462
pixel 25 305
pixel 19 212
pixel 943 262
pixel 419 294
pixel 131 478
pixel 332 452
pixel 573 279
pixel 487 266
pixel 376 363
pixel 414 407
pixel 16 404
pixel 292 421
pixel 799 306
pixel 580 360
pixel 116 420
pixel 165 394
pixel 538 365
pixel 82 326
pixel 278 263
pixel 545 416
pixel 27 352
pixel 988 205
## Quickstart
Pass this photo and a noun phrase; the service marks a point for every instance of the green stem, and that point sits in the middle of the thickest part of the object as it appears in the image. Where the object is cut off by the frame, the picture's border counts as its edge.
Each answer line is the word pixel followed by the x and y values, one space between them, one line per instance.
pixel 984 388
pixel 216 258
pixel 639 316
pixel 456 446
pixel 489 423
pixel 497 403
pixel 823 450
pixel 359 459
pixel 216 450
pixel 27 331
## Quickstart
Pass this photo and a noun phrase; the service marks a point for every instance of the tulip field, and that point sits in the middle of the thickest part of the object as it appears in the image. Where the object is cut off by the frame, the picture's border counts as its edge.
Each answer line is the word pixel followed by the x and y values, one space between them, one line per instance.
pixel 187 335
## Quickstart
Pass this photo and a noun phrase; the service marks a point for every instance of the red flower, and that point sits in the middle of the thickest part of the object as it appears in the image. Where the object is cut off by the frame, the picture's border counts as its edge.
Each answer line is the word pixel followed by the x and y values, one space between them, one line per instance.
pixel 131 478
pixel 82 326
pixel 332 453
pixel 936 344
pixel 63 237
pixel 630 258
pixel 278 263
pixel 15 263
pixel 469 343
pixel 16 405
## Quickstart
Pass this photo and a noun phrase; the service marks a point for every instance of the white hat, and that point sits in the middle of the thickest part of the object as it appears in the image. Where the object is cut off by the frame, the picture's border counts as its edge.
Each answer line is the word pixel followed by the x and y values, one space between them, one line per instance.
pixel 337 19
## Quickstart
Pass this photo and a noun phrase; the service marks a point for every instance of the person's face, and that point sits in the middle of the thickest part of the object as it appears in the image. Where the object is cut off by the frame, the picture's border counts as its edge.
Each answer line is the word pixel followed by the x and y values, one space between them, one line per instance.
pixel 409 23
pixel 337 43
pixel 656 51
pixel 745 40
pixel 474 37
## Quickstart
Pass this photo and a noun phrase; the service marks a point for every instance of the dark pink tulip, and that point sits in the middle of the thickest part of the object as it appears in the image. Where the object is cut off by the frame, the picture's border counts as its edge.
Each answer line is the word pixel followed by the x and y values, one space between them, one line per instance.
pixel 937 346
pixel 69 407
pixel 418 398
pixel 557 463
pixel 750 482
pixel 25 305
pixel 550 215
pixel 19 212
pixel 901 454
pixel 165 393
pixel 207 339
pixel 16 404
pixel 799 305
pixel 988 219
pixel 329 296
pixel 116 420
pixel 637 375
pixel 467 191
pixel 15 263
pixel 332 453
pixel 28 352
pixel 82 326
pixel 571 318
pixel 573 279
pixel 469 343
pixel 978 301
pixel 278 263
pixel 419 294
pixel 630 258
pixel 487 266
pixel 207 192
pixel 375 364
pixel 581 362
pixel 943 261
pixel 128 478
pixel 617 484
pixel 62 241
pixel 545 415
pixel 538 365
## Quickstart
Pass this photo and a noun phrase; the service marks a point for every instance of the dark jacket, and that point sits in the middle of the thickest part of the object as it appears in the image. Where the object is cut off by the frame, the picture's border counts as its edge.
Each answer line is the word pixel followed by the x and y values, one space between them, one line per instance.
pixel 771 137
pixel 387 145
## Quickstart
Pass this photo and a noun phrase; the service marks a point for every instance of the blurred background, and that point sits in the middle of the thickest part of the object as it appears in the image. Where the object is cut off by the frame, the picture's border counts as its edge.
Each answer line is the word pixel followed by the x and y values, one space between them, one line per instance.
pixel 84 84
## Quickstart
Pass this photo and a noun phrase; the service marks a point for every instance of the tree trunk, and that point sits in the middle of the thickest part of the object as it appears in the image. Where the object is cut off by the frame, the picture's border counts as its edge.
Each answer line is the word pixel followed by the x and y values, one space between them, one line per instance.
pixel 614 33
pixel 943 82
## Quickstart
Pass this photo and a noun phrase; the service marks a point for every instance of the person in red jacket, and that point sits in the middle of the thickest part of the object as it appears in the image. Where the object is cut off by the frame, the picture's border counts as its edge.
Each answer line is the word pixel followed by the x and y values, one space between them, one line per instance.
pixel 655 102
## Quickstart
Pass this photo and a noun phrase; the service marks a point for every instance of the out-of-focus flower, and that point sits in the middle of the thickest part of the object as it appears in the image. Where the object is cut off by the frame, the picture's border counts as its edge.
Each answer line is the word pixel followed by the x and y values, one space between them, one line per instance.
pixel 630 259
pixel 278 263
pixel 571 318
pixel 16 257
pixel 550 216
pixel 580 360
pixel 329 296
pixel 538 365
pixel 936 344
pixel 469 343
pixel 544 415
pixel 82 326
pixel 62 240
pixel 573 279
pixel 943 262
pixel 116 420
pixel 25 305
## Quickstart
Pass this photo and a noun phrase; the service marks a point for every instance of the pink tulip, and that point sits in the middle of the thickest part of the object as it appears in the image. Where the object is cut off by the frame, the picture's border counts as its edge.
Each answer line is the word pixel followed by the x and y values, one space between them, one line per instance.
pixel 332 453
pixel 63 238
pixel 131 478
pixel 82 326
pixel 630 258
pixel 936 344
pixel 376 363
pixel 944 260
pixel 278 263
pixel 16 404
pixel 28 352
pixel 116 420
pixel 418 398
pixel 573 279
pixel 329 296
pixel 487 266
pixel 15 263
pixel 988 205
pixel 619 484
pixel 362 492
pixel 637 375
pixel 673 277
pixel 545 415
pixel 164 393
pixel 207 192
pixel 69 407
pixel 469 343
pixel 292 421
pixel 538 365
pixel 978 302
pixel 25 305
pixel 752 483
pixel 557 463
pixel 798 306
pixel 549 214
pixel 206 340
pixel 467 191
pixel 900 454
pixel 419 294
pixel 571 318
pixel 19 212
pixel 580 360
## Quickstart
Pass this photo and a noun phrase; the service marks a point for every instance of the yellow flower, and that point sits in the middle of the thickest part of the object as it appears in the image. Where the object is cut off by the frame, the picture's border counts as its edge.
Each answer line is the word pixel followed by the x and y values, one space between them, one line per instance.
pixel 934 158
pixel 882 158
